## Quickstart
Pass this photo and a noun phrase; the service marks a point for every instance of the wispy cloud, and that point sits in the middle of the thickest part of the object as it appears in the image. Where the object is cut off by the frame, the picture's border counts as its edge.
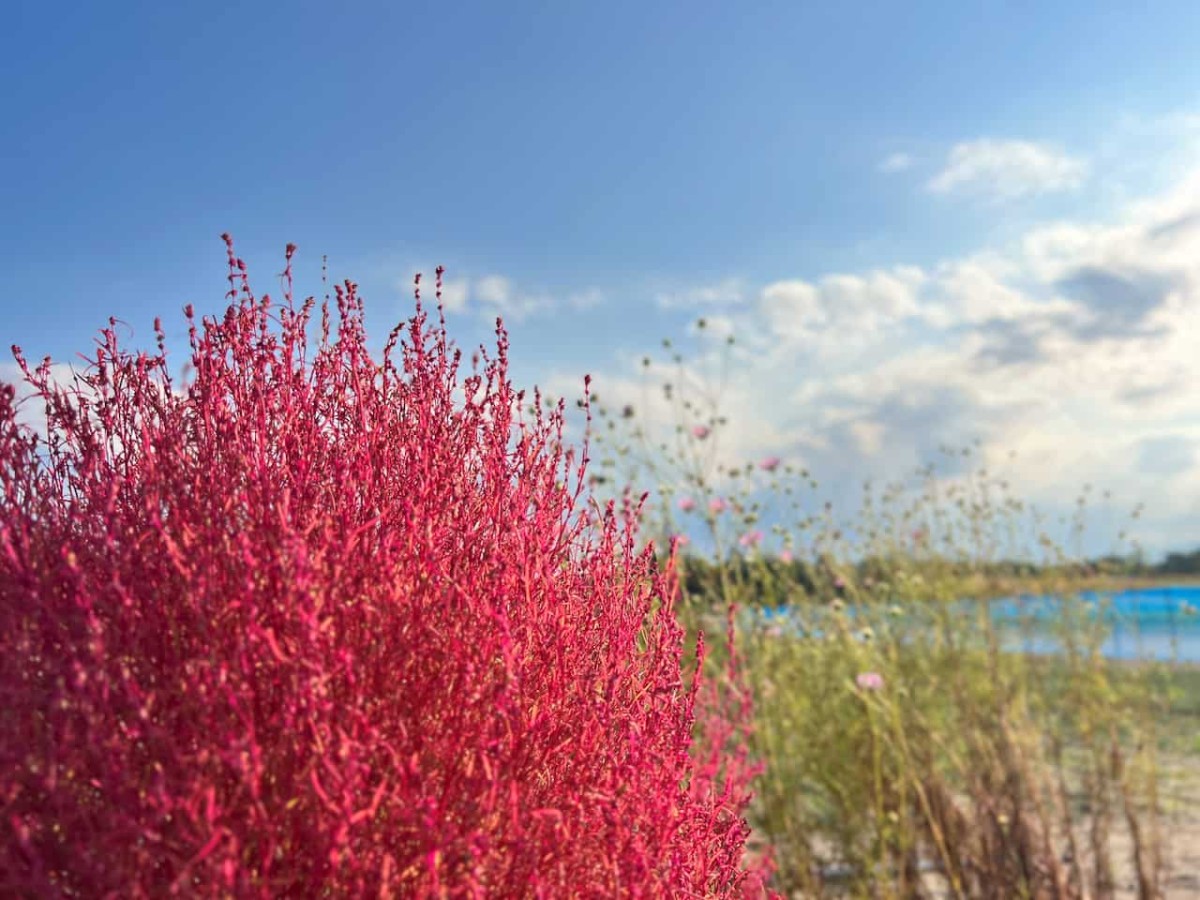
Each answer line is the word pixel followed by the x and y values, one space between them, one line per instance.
pixel 454 295
pixel 493 294
pixel 728 292
pixel 1001 170
pixel 586 299
pixel 896 162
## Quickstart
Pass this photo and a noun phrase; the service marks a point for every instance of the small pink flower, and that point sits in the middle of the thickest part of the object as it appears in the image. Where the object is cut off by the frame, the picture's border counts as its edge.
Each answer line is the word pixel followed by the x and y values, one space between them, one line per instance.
pixel 869 681
pixel 839 582
pixel 701 431
pixel 716 506
pixel 785 556
pixel 687 504
pixel 751 538
pixel 770 464
pixel 682 540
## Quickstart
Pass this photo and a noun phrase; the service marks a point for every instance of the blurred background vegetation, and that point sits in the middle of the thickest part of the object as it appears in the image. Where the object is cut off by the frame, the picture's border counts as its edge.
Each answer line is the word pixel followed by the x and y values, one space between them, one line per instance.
pixel 911 748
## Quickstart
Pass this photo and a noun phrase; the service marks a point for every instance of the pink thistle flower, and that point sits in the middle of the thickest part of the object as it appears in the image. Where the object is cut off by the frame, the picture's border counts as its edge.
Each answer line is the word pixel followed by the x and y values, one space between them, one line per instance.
pixel 785 556
pixel 869 681
pixel 716 506
pixel 751 538
pixel 839 582
pixel 687 504
pixel 700 432
pixel 681 540
pixel 770 464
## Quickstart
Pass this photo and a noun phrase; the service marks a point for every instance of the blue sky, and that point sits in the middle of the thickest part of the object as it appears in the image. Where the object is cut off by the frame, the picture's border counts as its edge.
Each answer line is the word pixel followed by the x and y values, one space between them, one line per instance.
pixel 925 223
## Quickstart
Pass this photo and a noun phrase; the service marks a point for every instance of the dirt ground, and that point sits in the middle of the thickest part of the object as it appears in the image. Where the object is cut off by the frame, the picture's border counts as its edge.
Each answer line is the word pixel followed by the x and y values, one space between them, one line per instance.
pixel 1180 833
pixel 1179 836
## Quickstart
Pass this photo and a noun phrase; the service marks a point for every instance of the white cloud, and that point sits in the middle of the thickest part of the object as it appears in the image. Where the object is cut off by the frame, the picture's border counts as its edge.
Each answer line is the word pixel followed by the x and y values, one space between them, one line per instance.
pixel 896 162
pixel 63 376
pixel 730 292
pixel 869 436
pixel 1074 348
pixel 716 327
pixel 493 294
pixel 1003 170
pixel 587 299
pixel 969 291
pixel 31 411
pixel 854 305
pixel 494 290
pixel 454 295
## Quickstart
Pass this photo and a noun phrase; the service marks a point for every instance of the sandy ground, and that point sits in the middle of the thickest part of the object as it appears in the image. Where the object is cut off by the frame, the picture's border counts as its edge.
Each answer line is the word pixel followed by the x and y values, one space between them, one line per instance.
pixel 1179 836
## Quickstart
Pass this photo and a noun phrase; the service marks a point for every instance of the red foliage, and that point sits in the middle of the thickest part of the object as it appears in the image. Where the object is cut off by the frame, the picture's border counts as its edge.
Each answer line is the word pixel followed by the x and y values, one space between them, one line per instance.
pixel 335 627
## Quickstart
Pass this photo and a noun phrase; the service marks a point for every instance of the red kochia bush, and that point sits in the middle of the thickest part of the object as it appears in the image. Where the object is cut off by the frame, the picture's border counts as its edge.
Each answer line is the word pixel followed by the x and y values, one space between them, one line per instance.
pixel 336 627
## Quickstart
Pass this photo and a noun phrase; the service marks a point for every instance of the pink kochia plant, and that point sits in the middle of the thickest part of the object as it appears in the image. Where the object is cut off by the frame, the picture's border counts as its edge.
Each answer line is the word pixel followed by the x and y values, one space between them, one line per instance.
pixel 316 625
